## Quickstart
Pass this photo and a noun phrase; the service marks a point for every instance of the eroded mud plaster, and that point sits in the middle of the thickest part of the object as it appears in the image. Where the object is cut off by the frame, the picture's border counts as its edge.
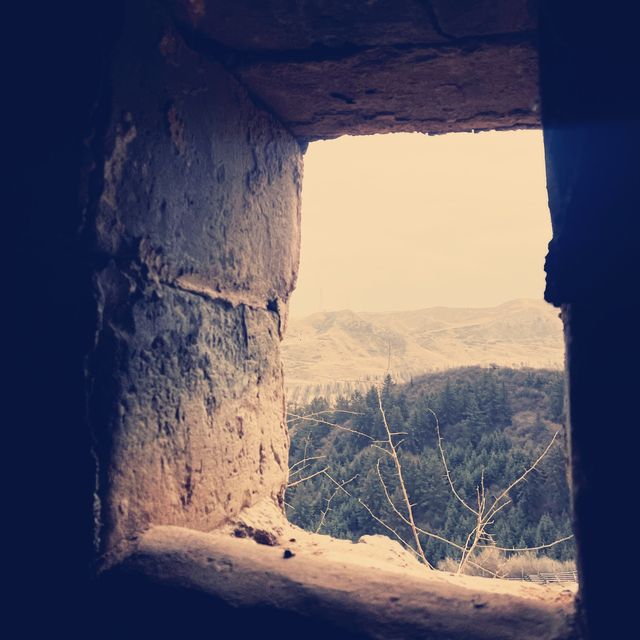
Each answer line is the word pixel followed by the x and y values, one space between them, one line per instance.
pixel 332 68
pixel 196 234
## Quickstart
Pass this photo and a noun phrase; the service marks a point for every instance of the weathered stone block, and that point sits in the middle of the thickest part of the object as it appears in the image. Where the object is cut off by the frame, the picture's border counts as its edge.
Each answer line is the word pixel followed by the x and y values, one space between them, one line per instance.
pixel 325 588
pixel 198 183
pixel 196 239
pixel 388 89
pixel 468 18
pixel 188 408
pixel 276 25
pixel 333 68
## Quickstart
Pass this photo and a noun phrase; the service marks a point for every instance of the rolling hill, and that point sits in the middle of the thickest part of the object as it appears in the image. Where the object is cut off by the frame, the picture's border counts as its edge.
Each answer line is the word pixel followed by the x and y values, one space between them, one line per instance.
pixel 332 353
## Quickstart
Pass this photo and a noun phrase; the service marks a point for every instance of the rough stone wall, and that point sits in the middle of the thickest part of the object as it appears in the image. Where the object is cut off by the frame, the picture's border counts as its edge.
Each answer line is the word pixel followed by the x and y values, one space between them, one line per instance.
pixel 54 66
pixel 590 113
pixel 334 67
pixel 195 228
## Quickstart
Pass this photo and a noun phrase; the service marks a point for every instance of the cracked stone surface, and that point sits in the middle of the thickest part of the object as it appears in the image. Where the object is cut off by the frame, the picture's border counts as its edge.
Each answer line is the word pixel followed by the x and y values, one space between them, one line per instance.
pixel 382 90
pixel 189 404
pixel 332 588
pixel 467 18
pixel 332 68
pixel 186 203
pixel 195 232
pixel 312 23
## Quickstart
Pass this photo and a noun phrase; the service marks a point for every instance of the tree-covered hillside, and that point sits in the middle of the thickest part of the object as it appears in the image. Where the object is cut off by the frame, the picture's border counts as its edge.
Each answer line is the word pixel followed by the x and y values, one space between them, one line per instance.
pixel 494 423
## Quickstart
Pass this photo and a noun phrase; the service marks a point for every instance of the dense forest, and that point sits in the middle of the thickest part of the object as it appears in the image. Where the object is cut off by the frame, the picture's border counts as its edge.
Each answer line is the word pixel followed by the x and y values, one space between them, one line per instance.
pixel 494 423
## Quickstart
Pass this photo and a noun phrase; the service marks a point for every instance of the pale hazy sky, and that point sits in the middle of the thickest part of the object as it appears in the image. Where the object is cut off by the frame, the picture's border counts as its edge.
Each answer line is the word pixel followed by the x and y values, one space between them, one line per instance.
pixel 407 221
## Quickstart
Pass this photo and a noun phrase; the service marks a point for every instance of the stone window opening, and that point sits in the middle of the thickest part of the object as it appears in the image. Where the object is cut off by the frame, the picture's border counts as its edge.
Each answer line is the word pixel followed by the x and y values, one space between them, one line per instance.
pixel 393 591
pixel 159 162
pixel 343 340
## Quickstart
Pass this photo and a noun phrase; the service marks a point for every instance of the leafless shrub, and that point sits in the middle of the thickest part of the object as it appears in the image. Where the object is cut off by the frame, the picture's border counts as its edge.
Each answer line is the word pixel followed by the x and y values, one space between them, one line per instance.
pixel 493 561
pixel 479 555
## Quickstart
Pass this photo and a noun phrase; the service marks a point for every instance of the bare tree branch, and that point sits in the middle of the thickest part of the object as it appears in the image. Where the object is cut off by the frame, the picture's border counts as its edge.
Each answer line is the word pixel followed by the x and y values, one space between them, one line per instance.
pixel 313 475
pixel 527 471
pixel 477 538
pixel 304 462
pixel 374 516
pixel 320 413
pixel 324 512
pixel 538 548
pixel 446 466
pixel 403 486
pixel 332 424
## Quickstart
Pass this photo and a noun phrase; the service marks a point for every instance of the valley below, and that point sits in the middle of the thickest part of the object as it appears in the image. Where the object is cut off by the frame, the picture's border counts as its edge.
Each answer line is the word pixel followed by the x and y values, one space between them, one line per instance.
pixel 334 353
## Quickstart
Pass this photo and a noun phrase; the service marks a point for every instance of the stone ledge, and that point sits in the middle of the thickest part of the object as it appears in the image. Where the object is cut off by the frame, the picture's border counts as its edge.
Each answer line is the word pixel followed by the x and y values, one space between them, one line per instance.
pixel 431 90
pixel 350 589
pixel 330 68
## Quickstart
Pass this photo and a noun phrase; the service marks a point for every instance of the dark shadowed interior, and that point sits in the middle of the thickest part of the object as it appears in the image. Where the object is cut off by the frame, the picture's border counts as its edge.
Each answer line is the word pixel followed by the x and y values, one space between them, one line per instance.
pixel 159 158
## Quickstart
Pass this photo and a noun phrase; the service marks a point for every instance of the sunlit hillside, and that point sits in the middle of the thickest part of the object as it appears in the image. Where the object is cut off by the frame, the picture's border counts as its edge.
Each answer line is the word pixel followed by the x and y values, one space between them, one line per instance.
pixel 333 353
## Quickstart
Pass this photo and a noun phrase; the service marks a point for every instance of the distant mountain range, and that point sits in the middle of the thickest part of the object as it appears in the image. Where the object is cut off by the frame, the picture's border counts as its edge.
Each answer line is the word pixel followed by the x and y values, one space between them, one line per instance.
pixel 334 352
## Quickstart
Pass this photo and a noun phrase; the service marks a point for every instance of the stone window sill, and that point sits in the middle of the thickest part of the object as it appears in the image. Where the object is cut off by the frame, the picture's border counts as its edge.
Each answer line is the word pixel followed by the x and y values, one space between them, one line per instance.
pixel 372 589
